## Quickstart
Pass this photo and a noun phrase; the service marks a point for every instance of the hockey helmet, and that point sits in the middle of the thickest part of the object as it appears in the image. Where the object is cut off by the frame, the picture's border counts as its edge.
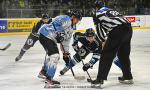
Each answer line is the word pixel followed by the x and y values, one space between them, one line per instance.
pixel 76 13
pixel 99 4
pixel 45 16
pixel 89 32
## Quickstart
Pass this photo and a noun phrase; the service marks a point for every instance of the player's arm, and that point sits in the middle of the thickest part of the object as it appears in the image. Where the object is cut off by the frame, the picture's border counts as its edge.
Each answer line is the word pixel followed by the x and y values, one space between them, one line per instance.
pixel 94 59
pixel 76 38
pixel 63 28
pixel 66 30
pixel 98 18
pixel 100 32
pixel 36 28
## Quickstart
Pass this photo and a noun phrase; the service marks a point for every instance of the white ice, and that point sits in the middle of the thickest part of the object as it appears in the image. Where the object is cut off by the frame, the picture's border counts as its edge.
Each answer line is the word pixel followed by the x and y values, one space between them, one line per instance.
pixel 23 74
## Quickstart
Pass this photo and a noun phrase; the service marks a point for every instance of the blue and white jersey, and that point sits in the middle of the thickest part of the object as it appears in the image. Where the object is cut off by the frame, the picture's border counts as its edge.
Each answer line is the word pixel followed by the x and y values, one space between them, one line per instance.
pixel 60 24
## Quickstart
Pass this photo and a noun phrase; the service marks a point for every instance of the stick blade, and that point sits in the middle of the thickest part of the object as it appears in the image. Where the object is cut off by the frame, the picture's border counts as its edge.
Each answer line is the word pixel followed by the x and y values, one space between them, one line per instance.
pixel 89 80
pixel 9 44
pixel 6 47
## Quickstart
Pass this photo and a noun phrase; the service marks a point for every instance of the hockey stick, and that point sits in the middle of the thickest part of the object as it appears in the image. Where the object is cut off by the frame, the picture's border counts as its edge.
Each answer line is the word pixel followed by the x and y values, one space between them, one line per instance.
pixel 6 47
pixel 75 77
pixel 88 79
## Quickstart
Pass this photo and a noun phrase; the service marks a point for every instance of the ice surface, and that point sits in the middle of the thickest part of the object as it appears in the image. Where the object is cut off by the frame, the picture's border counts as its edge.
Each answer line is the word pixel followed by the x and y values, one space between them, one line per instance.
pixel 23 74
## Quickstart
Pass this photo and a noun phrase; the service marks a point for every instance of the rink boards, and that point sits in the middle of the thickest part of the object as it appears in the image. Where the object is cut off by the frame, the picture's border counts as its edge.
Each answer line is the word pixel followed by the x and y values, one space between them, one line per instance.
pixel 22 26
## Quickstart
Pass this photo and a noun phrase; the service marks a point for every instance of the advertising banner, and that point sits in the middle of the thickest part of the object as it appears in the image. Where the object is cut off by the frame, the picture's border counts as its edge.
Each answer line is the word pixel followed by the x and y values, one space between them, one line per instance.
pixel 135 20
pixel 3 26
pixel 21 24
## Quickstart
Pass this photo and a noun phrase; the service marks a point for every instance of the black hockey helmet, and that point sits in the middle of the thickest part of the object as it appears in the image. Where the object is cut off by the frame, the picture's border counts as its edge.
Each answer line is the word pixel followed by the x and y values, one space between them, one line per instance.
pixel 45 16
pixel 76 13
pixel 89 32
pixel 99 4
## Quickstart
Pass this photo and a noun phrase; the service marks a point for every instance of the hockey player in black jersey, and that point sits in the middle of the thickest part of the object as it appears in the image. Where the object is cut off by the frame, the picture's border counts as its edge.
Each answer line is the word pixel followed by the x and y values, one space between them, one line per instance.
pixel 90 44
pixel 33 37
pixel 119 33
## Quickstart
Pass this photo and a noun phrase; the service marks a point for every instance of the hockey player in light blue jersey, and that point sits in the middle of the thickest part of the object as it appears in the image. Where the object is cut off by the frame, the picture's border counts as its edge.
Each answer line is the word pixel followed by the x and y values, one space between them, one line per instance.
pixel 58 31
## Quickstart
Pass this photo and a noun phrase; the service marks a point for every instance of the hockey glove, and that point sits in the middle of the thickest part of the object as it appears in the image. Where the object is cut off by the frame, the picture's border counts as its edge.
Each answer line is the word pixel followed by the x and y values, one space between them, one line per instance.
pixel 87 66
pixel 66 58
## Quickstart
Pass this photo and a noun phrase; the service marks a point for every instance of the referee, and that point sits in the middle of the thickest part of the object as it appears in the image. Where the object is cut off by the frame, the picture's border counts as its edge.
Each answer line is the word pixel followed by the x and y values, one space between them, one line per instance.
pixel 116 33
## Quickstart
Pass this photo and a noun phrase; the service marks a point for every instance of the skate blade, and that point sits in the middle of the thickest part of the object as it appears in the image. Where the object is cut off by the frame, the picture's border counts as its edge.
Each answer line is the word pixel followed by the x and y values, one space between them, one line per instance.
pixel 52 86
pixel 126 82
pixel 98 86
pixel 79 77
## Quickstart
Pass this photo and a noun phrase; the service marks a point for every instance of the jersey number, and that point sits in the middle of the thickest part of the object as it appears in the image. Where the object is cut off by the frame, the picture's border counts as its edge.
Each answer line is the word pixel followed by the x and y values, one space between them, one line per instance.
pixel 112 13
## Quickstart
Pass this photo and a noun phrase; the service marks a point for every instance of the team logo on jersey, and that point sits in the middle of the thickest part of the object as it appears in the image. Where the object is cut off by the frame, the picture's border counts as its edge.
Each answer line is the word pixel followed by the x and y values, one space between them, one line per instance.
pixel 30 42
pixel 82 52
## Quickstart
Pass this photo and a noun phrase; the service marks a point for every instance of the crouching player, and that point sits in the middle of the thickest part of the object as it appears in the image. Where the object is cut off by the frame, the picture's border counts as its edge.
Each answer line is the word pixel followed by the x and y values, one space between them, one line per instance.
pixel 58 31
pixel 90 44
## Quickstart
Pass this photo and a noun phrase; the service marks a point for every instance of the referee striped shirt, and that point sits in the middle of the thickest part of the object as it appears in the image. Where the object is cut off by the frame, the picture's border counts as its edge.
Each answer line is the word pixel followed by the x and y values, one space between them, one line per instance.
pixel 106 19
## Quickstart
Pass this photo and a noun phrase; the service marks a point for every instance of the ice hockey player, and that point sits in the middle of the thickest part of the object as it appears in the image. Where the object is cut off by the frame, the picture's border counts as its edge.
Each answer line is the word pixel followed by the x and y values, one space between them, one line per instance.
pixel 33 37
pixel 58 31
pixel 119 33
pixel 90 44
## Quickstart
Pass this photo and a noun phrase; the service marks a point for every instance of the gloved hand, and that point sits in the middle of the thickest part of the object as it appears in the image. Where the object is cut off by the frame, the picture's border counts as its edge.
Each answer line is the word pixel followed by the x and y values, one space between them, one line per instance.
pixel 66 57
pixel 59 37
pixel 87 66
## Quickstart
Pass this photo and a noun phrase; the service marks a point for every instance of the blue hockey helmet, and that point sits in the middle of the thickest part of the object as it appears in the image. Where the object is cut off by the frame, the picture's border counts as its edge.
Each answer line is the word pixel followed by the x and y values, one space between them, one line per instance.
pixel 99 4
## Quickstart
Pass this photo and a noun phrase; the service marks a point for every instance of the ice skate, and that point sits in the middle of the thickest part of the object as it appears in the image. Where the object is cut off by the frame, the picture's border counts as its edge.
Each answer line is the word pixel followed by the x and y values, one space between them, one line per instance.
pixel 22 52
pixel 18 58
pixel 42 74
pixel 52 84
pixel 97 83
pixel 125 81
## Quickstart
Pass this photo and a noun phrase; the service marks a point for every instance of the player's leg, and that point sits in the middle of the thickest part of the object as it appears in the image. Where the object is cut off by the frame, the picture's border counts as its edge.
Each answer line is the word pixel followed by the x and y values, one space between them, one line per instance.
pixel 115 39
pixel 42 73
pixel 108 53
pixel 124 57
pixel 28 44
pixel 51 61
pixel 75 60
pixel 96 57
pixel 117 62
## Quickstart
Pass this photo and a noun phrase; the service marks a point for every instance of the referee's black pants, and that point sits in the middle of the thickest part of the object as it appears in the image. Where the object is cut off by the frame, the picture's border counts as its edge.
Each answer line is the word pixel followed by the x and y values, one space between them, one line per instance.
pixel 118 43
